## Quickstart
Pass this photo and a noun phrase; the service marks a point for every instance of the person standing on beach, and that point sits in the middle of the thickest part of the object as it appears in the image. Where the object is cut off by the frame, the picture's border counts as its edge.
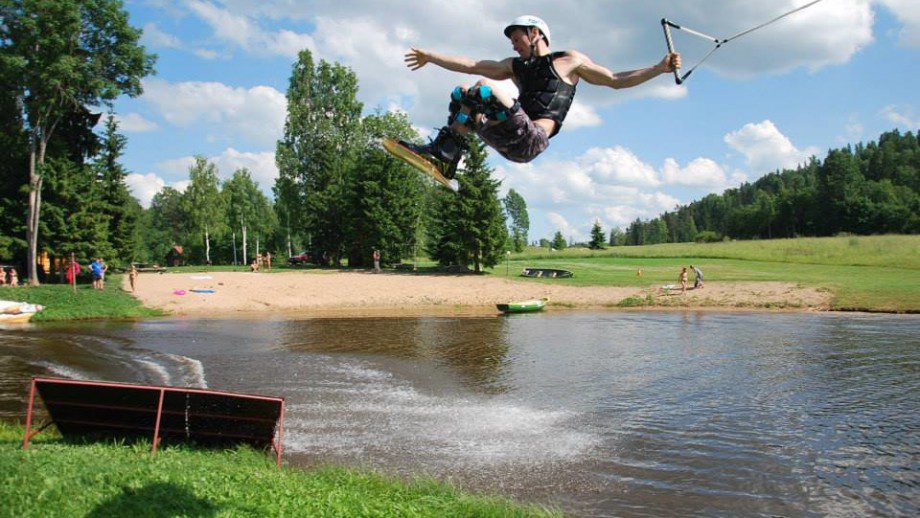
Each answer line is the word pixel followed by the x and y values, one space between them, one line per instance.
pixel 376 261
pixel 98 268
pixel 132 277
pixel 268 261
pixel 698 282
pixel 14 278
pixel 682 280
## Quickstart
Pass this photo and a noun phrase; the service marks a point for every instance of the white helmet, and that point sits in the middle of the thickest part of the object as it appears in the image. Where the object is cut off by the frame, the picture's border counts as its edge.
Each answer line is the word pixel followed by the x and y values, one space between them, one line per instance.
pixel 528 21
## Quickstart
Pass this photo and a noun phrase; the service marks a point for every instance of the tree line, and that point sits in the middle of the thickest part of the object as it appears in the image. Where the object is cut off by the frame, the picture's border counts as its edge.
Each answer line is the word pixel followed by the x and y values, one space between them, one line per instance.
pixel 338 194
pixel 869 188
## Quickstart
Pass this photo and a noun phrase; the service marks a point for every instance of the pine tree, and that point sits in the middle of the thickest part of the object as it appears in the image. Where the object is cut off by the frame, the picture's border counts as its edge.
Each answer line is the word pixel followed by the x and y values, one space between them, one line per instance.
pixel 73 218
pixel 469 226
pixel 388 197
pixel 118 205
pixel 559 241
pixel 597 237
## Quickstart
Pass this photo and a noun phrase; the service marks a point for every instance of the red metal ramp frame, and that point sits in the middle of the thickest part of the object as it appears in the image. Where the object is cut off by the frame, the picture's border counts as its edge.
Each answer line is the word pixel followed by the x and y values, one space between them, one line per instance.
pixel 177 414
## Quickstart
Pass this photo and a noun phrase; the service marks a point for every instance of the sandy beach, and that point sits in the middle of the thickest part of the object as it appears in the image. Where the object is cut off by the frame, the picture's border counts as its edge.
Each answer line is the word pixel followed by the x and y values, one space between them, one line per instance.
pixel 349 293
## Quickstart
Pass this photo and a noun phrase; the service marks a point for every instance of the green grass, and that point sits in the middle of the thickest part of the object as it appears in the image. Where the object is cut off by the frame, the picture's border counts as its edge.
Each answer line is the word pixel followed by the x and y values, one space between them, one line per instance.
pixel 894 251
pixel 871 273
pixel 56 478
pixel 62 303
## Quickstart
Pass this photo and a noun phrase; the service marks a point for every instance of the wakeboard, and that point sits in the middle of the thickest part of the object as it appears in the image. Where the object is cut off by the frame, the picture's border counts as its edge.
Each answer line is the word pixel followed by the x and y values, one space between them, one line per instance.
pixel 418 162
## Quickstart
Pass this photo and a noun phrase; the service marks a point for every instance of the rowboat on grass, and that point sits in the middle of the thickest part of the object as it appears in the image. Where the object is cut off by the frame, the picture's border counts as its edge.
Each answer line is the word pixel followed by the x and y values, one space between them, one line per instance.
pixel 550 273
pixel 525 306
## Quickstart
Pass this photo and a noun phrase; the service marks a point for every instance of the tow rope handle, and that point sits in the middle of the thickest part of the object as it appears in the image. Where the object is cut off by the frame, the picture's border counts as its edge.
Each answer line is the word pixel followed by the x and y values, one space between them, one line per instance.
pixel 666 27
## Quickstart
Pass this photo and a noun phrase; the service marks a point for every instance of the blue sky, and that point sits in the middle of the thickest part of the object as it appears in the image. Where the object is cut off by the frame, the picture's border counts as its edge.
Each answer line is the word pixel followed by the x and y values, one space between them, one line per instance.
pixel 841 71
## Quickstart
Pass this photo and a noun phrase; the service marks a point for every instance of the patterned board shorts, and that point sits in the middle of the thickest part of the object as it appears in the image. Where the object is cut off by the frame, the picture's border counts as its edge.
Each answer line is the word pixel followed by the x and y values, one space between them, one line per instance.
pixel 517 138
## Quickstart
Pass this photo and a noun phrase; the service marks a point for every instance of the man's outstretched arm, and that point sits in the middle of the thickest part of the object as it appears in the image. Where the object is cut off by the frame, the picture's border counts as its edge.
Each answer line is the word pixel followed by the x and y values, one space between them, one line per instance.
pixel 498 70
pixel 598 75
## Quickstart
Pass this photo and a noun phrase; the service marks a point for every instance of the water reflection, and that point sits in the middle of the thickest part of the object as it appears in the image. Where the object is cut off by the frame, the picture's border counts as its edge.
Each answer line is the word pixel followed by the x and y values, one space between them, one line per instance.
pixel 475 349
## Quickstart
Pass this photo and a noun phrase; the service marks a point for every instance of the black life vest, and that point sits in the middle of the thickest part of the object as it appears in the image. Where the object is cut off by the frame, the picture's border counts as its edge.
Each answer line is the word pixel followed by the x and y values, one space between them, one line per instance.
pixel 543 94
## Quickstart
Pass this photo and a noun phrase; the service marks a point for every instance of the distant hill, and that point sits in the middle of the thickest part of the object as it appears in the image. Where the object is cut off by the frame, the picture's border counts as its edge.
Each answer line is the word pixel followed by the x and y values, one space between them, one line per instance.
pixel 866 189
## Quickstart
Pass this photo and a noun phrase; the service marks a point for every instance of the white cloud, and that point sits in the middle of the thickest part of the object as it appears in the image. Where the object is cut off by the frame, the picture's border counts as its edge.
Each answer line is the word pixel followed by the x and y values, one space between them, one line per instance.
pixel 620 35
pixel 256 113
pixel 908 14
pixel 609 184
pixel 261 165
pixel 176 167
pixel 145 186
pixel 581 115
pixel 154 37
pixel 135 123
pixel 562 225
pixel 900 117
pixel 206 54
pixel 243 32
pixel 766 148
pixel 701 172
pixel 619 166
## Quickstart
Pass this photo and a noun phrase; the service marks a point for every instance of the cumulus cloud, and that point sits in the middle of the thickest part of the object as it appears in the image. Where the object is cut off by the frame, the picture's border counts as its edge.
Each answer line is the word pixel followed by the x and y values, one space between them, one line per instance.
pixel 620 35
pixel 562 225
pixel 908 14
pixel 766 148
pixel 145 186
pixel 581 115
pixel 256 113
pixel 700 172
pixel 241 31
pixel 261 165
pixel 619 166
pixel 135 123
pixel 900 117
pixel 155 37
pixel 609 184
pixel 175 167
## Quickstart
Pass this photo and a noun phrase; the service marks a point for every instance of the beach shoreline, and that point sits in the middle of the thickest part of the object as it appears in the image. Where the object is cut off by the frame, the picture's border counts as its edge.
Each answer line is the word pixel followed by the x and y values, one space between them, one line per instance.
pixel 325 293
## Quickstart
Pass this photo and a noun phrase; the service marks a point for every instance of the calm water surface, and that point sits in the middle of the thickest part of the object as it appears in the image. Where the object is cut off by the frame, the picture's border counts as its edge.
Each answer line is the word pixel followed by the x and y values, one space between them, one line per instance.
pixel 601 414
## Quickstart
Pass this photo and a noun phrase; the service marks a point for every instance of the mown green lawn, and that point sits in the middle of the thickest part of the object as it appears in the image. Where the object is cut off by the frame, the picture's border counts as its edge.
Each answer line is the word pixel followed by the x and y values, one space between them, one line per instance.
pixel 874 273
pixel 56 478
pixel 62 303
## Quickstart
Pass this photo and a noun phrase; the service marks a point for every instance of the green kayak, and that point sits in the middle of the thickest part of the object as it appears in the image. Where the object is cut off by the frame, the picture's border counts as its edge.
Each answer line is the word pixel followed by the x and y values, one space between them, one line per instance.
pixel 526 306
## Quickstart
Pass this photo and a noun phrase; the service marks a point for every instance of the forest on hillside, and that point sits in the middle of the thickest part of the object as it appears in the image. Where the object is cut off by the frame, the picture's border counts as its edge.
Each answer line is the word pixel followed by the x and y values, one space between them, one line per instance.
pixel 869 188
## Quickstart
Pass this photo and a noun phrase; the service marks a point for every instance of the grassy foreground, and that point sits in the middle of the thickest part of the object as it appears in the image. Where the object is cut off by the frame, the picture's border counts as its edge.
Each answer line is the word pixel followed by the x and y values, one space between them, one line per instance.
pixel 62 303
pixel 872 273
pixel 55 478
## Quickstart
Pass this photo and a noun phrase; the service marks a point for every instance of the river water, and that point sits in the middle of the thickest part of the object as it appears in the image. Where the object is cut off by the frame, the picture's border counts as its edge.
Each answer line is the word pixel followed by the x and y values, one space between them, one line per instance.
pixel 598 413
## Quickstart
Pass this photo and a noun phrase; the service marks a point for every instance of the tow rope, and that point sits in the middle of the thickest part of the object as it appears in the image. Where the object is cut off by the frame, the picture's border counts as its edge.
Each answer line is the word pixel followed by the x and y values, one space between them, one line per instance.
pixel 667 25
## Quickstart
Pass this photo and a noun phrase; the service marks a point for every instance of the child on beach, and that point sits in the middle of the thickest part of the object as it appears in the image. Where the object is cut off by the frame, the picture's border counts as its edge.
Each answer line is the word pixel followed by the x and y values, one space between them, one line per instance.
pixel 14 278
pixel 132 277
pixel 683 280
